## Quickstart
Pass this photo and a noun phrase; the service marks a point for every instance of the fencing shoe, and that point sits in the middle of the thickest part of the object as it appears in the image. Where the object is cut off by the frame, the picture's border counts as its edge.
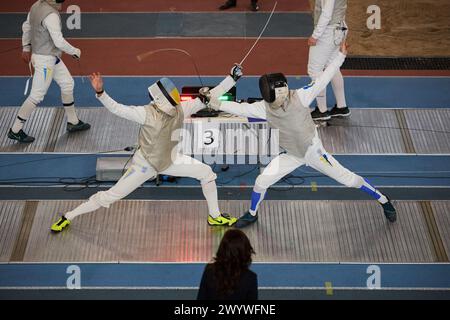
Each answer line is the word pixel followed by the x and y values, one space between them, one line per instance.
pixel 317 115
pixel 20 136
pixel 389 211
pixel 339 112
pixel 228 5
pixel 246 220
pixel 254 7
pixel 80 126
pixel 59 225
pixel 223 219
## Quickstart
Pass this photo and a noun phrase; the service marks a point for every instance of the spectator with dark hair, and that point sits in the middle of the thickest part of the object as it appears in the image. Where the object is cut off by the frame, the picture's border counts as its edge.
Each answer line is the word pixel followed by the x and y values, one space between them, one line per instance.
pixel 228 277
pixel 232 3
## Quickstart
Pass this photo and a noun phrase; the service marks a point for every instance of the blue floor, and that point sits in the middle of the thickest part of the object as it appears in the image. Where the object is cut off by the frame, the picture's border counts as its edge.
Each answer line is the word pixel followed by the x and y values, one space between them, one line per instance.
pixel 165 24
pixel 361 92
pixel 189 274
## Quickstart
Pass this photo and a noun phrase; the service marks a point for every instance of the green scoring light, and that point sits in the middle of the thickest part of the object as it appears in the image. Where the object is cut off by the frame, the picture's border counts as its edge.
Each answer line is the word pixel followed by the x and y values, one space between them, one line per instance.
pixel 226 97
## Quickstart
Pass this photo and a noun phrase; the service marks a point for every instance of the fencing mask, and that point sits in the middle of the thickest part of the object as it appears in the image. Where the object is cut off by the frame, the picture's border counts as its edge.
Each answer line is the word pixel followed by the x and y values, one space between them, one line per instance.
pixel 165 95
pixel 274 89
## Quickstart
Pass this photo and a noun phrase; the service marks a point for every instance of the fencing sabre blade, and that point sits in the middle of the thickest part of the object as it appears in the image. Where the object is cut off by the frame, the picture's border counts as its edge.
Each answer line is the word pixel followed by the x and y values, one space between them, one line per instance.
pixel 260 35
pixel 145 55
pixel 11 49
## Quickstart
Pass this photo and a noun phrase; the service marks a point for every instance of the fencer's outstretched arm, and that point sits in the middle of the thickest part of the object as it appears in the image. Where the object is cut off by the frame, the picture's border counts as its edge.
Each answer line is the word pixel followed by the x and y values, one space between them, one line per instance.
pixel 193 106
pixel 53 24
pixel 308 93
pixel 249 110
pixel 133 113
pixel 324 19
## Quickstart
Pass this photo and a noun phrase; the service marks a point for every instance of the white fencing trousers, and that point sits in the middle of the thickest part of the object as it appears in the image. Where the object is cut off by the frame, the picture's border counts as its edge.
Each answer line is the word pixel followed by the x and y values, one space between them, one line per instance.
pixel 320 55
pixel 316 157
pixel 140 171
pixel 46 70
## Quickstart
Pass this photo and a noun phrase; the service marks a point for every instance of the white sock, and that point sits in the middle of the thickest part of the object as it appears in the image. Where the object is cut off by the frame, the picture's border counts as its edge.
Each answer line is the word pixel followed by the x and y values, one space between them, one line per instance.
pixel 210 193
pixel 18 124
pixel 338 88
pixel 383 199
pixel 83 208
pixel 322 100
pixel 322 96
pixel 24 114
pixel 68 101
pixel 71 114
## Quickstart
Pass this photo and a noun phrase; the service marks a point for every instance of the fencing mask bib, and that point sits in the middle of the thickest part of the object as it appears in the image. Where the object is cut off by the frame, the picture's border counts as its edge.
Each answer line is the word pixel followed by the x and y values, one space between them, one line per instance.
pixel 165 95
pixel 274 89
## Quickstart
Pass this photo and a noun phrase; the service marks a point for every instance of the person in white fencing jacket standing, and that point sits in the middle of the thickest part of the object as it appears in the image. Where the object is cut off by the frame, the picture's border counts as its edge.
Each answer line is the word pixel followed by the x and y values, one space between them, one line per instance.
pixel 329 31
pixel 43 45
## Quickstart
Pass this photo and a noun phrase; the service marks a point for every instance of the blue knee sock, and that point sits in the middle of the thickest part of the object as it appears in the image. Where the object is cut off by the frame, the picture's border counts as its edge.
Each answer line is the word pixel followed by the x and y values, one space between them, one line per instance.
pixel 374 193
pixel 257 198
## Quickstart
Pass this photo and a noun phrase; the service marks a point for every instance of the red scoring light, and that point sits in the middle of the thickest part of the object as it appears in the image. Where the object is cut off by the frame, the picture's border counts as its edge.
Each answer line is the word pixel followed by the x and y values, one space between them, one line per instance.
pixel 187 98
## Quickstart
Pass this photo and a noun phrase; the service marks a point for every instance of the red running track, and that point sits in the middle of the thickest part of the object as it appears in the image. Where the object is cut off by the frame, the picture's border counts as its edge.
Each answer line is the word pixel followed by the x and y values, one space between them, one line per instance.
pixel 160 5
pixel 214 57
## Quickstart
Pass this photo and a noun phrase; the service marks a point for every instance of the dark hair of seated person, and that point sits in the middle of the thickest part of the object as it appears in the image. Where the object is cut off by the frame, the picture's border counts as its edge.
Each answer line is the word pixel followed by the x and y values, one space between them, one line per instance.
pixel 228 276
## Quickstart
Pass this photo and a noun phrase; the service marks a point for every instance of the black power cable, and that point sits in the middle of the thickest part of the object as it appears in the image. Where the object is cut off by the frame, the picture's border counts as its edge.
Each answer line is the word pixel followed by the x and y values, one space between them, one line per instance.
pixel 86 182
pixel 63 157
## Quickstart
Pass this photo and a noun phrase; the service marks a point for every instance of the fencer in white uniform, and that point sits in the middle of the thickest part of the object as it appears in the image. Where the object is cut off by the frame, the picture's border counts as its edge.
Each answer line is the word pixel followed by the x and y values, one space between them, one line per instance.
pixel 161 121
pixel 329 31
pixel 288 112
pixel 43 45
